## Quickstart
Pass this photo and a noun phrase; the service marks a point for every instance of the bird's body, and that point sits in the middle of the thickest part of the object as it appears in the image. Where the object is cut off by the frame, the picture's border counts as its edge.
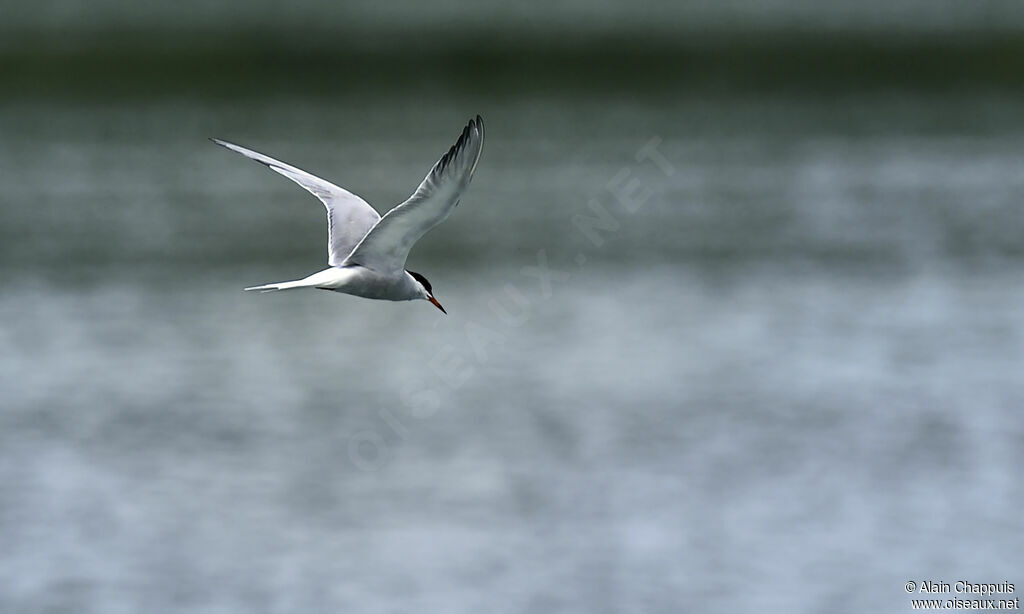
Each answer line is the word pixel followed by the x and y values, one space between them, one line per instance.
pixel 367 252
pixel 356 280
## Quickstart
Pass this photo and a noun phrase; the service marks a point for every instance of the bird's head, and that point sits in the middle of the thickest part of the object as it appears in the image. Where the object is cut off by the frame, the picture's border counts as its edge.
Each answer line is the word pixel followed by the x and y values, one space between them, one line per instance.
pixel 425 292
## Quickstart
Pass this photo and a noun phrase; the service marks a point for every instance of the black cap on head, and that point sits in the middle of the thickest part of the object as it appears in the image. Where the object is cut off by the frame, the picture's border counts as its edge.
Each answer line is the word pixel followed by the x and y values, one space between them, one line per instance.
pixel 422 280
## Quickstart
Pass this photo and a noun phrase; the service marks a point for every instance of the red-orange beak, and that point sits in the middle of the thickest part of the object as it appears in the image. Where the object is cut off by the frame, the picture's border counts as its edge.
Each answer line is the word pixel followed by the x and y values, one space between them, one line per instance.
pixel 436 304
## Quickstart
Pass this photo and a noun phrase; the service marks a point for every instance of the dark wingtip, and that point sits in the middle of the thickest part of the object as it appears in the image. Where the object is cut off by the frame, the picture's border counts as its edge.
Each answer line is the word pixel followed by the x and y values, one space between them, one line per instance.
pixel 480 125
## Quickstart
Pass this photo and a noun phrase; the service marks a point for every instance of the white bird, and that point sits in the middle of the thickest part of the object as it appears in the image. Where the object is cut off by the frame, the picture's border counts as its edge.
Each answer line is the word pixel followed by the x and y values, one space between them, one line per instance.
pixel 367 252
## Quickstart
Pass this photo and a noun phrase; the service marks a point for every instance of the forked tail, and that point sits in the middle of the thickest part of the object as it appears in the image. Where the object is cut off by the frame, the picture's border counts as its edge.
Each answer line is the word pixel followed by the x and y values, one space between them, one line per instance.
pixel 328 279
pixel 281 285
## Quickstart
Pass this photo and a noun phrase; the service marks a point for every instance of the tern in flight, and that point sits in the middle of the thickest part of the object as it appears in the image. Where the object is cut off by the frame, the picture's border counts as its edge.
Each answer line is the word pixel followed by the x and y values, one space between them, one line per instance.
pixel 367 252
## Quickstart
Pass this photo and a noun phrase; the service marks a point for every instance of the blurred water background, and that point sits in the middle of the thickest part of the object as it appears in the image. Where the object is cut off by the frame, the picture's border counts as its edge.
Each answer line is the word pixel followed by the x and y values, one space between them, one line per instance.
pixel 787 380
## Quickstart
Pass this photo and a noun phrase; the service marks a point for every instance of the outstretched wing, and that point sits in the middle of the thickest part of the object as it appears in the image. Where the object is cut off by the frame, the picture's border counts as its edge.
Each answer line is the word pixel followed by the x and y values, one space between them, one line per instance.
pixel 386 247
pixel 349 217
